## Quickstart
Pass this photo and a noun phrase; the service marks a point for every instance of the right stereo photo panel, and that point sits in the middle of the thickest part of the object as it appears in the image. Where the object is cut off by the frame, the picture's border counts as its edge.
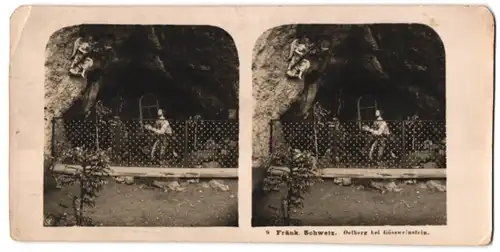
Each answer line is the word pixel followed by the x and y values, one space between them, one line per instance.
pixel 349 127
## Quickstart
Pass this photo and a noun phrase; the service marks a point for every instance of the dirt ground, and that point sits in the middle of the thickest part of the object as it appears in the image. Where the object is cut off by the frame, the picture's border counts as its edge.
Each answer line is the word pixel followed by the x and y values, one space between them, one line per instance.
pixel 141 204
pixel 328 204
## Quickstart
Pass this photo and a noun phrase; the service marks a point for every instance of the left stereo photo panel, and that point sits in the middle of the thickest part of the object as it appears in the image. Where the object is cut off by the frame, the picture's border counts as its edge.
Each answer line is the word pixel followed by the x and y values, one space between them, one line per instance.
pixel 141 126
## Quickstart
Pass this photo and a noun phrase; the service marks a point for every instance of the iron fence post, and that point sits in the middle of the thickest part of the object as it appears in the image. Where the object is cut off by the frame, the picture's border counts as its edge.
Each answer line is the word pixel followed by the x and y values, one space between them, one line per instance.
pixel 186 143
pixel 195 138
pixel 404 137
pixel 97 133
pixel 271 140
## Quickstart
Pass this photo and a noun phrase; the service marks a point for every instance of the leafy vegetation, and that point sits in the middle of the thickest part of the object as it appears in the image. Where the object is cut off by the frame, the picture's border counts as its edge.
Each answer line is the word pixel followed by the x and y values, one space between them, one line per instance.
pixel 302 174
pixel 90 179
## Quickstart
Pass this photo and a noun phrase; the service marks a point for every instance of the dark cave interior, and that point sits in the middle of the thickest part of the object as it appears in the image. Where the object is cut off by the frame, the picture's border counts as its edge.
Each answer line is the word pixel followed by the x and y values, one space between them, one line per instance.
pixel 386 75
pixel 353 83
pixel 136 82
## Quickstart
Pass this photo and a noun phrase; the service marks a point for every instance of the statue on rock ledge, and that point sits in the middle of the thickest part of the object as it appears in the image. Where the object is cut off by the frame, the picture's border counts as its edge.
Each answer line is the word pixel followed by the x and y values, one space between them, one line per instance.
pixel 81 60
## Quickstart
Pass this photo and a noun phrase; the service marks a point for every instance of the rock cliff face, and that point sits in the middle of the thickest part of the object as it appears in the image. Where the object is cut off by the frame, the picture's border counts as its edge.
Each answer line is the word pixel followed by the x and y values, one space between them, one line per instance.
pixel 60 89
pixel 401 66
pixel 191 70
pixel 272 92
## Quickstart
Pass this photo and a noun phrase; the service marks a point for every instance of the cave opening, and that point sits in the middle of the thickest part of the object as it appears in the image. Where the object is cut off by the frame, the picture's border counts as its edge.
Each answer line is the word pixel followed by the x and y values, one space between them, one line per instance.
pixel 195 84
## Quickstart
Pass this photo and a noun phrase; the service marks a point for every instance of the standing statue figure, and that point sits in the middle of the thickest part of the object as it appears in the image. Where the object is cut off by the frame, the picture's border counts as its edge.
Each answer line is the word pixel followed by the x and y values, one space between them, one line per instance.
pixel 162 137
pixel 81 61
pixel 381 135
pixel 297 57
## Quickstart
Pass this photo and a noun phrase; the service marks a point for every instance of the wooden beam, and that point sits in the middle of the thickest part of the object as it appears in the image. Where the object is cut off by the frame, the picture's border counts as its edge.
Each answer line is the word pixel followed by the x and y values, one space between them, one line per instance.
pixel 371 173
pixel 158 171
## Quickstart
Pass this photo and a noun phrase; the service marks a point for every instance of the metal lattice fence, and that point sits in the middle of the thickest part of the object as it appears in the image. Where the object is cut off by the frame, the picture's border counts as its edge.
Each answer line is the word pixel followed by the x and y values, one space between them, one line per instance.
pixel 192 144
pixel 344 144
